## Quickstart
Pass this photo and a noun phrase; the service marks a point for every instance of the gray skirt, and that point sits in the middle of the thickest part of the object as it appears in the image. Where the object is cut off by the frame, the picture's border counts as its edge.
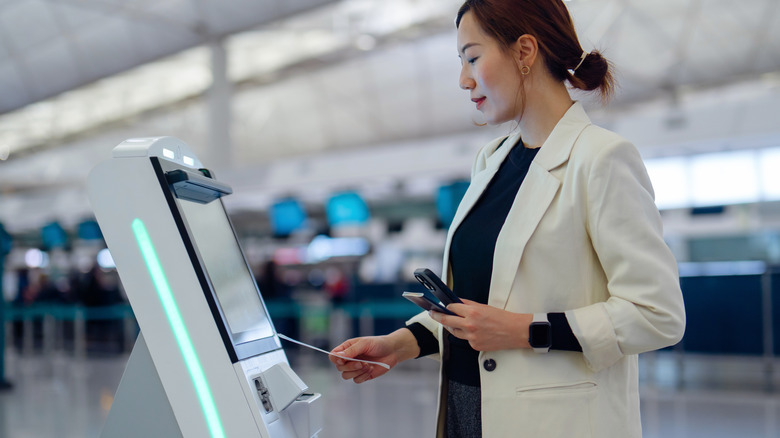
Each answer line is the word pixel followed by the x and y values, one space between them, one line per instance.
pixel 464 417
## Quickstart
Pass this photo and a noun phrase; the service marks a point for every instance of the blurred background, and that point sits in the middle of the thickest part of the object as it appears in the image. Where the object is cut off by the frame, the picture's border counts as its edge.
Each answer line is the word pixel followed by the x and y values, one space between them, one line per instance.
pixel 348 143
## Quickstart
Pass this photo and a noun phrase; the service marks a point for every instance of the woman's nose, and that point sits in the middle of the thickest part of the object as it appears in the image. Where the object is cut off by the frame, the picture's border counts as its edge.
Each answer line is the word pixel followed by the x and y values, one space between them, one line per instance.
pixel 465 81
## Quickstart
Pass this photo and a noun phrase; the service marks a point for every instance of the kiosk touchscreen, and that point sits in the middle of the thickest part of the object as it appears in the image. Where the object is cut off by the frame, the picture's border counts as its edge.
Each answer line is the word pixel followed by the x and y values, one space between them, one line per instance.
pixel 208 362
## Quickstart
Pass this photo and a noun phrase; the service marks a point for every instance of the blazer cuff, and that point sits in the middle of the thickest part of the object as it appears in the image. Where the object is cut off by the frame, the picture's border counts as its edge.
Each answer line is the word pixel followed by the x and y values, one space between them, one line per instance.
pixel 429 323
pixel 593 328
pixel 432 326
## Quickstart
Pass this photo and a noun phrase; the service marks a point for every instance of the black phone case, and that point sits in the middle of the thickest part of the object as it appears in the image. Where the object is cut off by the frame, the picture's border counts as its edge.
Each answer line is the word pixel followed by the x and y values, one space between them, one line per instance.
pixel 433 283
pixel 427 304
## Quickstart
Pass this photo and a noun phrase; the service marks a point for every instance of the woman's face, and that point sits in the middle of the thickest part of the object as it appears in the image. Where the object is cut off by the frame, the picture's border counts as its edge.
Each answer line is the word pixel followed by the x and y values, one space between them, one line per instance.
pixel 489 73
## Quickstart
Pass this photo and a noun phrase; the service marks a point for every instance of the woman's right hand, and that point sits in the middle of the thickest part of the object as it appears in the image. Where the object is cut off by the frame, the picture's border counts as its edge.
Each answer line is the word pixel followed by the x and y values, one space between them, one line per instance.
pixel 390 349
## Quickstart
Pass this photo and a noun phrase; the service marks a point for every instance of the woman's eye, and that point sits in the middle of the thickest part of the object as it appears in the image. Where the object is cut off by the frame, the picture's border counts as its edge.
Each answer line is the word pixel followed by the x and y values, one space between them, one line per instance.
pixel 472 60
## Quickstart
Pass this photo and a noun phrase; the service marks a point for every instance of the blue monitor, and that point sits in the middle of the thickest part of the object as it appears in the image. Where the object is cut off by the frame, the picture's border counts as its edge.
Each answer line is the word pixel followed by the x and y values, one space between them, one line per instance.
pixel 53 236
pixel 89 230
pixel 447 200
pixel 287 216
pixel 347 208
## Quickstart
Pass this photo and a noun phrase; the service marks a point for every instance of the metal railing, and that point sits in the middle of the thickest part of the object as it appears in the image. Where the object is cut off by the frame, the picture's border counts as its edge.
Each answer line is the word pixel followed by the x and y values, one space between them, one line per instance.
pixel 56 320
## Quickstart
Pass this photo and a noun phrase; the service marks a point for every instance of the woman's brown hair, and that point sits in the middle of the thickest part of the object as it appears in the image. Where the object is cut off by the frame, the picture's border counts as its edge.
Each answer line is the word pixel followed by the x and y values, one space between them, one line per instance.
pixel 550 23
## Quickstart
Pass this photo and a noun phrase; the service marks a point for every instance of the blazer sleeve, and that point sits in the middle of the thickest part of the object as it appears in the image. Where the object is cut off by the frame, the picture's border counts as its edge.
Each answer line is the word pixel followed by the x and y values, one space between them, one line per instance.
pixel 645 308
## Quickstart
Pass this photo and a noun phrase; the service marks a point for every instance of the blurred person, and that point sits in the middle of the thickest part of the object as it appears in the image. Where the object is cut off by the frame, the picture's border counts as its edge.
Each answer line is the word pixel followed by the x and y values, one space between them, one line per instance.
pixel 100 288
pixel 35 288
pixel 556 249
pixel 32 283
pixel 23 283
pixel 336 284
pixel 269 283
pixel 49 291
pixel 18 300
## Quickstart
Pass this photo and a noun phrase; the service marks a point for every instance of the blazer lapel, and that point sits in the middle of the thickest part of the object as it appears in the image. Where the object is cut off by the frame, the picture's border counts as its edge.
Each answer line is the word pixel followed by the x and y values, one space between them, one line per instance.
pixel 478 185
pixel 532 201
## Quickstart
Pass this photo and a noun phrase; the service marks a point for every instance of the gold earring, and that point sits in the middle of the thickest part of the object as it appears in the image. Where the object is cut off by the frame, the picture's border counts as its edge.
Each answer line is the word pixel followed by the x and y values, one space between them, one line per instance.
pixel 524 70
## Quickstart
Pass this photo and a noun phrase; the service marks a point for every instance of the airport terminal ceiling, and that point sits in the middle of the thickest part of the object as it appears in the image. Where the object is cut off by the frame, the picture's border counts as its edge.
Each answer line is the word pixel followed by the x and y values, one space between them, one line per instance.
pixel 79 76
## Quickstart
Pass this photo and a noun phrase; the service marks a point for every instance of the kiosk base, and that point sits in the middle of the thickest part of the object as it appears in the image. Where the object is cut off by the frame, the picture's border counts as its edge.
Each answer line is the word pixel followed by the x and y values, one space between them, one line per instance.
pixel 140 408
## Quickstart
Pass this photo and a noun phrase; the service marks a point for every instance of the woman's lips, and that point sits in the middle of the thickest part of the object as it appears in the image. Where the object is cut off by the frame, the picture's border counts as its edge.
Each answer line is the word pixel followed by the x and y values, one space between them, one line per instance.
pixel 479 102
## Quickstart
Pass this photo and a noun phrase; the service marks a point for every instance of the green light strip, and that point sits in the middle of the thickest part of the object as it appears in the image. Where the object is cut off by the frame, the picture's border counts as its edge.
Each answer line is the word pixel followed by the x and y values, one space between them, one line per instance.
pixel 179 330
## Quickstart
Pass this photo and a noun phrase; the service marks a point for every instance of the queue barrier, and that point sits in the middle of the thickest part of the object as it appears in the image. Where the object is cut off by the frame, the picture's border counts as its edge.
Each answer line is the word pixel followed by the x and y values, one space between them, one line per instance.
pixel 728 314
pixel 734 314
pixel 53 316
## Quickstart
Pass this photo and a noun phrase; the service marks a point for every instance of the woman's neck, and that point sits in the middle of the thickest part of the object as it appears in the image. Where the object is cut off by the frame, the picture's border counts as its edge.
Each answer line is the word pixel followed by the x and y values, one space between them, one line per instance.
pixel 545 106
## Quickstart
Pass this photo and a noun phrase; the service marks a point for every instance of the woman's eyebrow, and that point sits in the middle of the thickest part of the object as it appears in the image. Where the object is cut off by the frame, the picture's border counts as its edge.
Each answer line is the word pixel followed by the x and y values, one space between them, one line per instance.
pixel 466 46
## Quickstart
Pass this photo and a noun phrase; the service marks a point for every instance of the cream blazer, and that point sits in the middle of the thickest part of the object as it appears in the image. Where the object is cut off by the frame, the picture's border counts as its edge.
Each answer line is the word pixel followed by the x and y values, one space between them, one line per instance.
pixel 583 237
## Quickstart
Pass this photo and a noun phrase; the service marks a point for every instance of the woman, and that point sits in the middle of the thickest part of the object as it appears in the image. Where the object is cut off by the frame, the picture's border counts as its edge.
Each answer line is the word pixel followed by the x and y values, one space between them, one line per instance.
pixel 556 249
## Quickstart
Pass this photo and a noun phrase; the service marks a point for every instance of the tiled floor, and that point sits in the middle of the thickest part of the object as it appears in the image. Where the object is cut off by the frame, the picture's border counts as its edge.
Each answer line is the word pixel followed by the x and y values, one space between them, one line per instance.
pixel 63 397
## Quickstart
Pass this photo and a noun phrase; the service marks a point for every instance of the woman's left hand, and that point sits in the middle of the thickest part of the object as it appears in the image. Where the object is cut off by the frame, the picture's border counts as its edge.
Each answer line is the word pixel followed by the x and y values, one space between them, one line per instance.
pixel 487 328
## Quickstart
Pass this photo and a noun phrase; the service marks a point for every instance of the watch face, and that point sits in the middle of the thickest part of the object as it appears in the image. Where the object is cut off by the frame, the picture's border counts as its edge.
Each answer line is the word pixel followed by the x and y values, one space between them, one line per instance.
pixel 539 335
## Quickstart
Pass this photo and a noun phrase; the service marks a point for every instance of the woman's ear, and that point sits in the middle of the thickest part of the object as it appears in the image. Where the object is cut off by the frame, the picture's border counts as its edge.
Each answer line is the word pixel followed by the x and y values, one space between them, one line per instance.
pixel 526 50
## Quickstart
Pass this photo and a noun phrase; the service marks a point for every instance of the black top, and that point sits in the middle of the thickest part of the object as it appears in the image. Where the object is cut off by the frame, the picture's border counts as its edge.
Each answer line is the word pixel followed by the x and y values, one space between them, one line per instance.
pixel 471 261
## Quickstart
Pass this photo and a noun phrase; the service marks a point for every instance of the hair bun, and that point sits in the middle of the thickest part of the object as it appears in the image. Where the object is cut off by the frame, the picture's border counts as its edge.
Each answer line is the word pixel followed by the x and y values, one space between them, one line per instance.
pixel 593 73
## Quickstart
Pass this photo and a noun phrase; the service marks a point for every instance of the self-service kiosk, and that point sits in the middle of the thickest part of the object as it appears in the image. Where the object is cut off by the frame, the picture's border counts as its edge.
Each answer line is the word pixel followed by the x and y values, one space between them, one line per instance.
pixel 208 362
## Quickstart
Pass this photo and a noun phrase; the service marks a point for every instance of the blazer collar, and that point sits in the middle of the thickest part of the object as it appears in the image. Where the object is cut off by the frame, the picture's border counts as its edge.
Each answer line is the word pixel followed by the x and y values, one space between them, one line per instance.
pixel 557 148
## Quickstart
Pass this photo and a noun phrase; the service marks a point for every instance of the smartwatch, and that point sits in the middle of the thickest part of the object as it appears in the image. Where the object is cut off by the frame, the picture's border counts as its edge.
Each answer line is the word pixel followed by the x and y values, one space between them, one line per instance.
pixel 540 333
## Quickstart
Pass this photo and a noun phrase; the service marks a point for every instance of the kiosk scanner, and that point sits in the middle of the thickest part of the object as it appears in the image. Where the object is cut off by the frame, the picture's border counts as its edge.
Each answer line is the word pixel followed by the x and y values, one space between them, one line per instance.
pixel 208 362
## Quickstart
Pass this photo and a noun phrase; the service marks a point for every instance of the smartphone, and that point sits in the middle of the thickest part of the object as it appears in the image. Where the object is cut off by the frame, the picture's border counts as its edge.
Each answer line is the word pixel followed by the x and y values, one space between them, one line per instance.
pixel 426 302
pixel 433 283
